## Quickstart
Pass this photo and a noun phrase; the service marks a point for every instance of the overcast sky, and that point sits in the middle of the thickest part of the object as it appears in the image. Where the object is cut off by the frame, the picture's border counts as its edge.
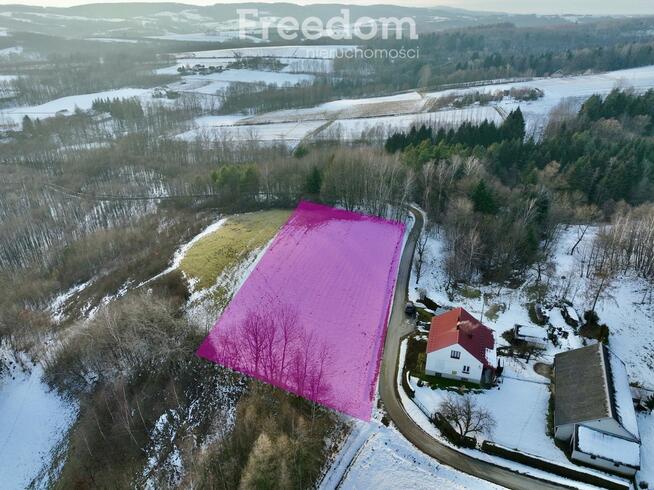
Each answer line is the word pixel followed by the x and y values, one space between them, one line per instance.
pixel 518 6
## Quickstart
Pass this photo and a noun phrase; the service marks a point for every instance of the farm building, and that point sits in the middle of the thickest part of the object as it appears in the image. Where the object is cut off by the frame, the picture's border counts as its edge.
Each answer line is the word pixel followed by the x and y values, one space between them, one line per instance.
pixel 596 448
pixel 460 347
pixel 593 409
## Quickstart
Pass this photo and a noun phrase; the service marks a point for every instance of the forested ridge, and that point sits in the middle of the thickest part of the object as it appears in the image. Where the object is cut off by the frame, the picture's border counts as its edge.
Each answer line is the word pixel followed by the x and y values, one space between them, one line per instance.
pixel 501 196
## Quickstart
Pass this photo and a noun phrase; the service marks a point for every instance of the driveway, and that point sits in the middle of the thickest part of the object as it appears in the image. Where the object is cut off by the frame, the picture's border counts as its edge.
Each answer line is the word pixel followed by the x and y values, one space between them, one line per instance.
pixel 398 327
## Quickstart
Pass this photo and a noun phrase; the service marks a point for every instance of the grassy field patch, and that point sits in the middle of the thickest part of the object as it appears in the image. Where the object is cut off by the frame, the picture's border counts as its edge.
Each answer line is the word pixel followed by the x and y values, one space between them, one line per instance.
pixel 231 244
pixel 494 311
pixel 469 292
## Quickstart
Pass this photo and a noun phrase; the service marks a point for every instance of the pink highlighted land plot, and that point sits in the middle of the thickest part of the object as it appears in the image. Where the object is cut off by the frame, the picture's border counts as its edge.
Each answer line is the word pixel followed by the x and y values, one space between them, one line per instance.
pixel 311 317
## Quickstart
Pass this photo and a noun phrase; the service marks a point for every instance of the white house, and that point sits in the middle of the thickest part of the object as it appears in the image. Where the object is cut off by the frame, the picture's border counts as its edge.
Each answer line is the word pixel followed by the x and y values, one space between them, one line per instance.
pixel 593 409
pixel 460 347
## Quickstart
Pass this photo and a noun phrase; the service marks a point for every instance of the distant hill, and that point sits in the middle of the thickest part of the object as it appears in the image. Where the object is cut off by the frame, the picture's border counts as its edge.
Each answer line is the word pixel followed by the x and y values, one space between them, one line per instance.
pixel 125 20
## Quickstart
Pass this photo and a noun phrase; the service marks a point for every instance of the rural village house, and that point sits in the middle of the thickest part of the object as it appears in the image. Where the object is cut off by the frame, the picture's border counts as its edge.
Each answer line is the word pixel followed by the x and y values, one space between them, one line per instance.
pixel 593 409
pixel 460 347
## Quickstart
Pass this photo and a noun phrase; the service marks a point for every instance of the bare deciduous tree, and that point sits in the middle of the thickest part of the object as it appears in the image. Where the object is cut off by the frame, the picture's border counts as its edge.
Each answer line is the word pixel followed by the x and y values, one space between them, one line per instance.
pixel 586 216
pixel 466 416
pixel 422 254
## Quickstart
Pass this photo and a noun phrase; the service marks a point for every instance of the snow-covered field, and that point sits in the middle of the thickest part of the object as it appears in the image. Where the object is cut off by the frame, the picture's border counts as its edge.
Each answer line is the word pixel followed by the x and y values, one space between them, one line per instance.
pixel 405 103
pixel 253 76
pixel 33 421
pixel 292 51
pixel 347 120
pixel 112 40
pixel 284 133
pixel 374 118
pixel 14 50
pixel 204 37
pixel 387 461
pixel 68 105
pixel 298 59
pixel 367 128
pixel 356 117
pixel 575 89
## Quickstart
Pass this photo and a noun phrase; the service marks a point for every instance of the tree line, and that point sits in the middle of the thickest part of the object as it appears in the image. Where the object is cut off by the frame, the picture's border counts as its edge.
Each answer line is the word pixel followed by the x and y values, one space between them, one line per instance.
pixel 500 196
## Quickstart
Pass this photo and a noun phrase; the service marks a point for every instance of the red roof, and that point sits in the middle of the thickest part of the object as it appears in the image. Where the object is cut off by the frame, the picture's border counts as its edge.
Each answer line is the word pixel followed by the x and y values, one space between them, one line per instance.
pixel 457 326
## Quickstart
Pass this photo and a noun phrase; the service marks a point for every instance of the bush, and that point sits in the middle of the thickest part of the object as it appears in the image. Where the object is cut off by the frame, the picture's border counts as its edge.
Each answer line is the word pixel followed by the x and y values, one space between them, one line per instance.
pixel 128 335
pixel 278 441
pixel 140 384
pixel 172 285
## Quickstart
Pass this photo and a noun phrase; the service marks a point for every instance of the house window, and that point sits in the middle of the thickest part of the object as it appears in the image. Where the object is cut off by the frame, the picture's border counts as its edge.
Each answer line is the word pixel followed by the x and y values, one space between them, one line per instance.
pixel 466 369
pixel 455 354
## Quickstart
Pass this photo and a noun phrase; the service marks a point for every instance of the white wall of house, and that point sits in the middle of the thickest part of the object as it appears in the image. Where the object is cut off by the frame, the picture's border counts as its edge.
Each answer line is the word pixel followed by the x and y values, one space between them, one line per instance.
pixel 602 463
pixel 608 425
pixel 441 362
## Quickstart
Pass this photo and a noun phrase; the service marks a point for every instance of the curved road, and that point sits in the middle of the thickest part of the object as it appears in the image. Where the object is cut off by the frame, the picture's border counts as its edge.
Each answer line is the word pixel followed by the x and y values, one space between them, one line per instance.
pixel 398 327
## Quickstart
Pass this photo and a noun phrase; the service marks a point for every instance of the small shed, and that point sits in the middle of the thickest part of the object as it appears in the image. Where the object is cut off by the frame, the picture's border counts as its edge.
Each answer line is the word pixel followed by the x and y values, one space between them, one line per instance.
pixel 536 336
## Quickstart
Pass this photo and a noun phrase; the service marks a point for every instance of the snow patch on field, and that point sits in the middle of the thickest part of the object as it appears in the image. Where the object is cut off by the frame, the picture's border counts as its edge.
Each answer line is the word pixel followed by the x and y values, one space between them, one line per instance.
pixel 14 50
pixel 388 461
pixel 292 51
pixel 112 40
pixel 58 305
pixel 253 76
pixel 68 105
pixel 289 134
pixel 33 421
pixel 180 253
pixel 575 89
pixel 382 127
pixel 203 37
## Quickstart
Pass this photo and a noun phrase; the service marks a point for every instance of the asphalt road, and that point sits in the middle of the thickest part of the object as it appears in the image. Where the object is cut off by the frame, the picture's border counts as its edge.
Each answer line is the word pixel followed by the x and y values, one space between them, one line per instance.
pixel 398 327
